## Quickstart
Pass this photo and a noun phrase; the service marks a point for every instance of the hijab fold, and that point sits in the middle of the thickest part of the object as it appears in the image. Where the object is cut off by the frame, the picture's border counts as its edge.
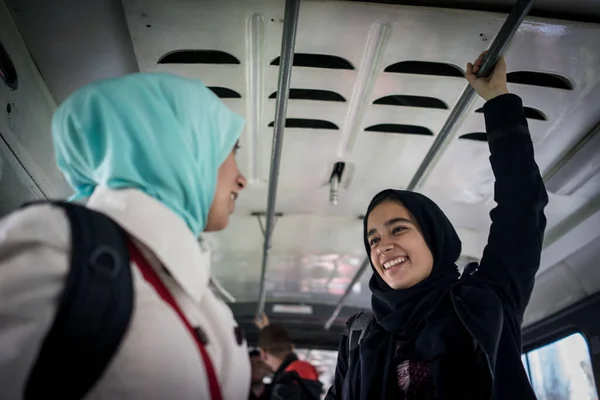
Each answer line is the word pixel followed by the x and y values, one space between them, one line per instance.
pixel 162 134
pixel 422 316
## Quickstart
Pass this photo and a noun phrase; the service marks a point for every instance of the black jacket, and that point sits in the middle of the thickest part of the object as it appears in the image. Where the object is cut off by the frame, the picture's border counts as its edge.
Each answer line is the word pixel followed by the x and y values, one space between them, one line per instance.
pixel 290 382
pixel 490 303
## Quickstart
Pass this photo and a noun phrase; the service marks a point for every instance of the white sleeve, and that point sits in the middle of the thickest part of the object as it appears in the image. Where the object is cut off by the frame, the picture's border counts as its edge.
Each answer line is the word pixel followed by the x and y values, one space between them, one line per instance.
pixel 34 261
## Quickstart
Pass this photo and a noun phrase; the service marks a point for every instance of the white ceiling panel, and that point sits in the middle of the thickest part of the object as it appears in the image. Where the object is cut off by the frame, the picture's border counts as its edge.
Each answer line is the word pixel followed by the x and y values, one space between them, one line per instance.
pixel 312 232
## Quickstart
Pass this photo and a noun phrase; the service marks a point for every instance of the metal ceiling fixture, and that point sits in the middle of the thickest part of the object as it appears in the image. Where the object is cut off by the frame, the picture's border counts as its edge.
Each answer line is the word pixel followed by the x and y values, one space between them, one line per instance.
pixel 288 43
pixel 334 182
pixel 496 50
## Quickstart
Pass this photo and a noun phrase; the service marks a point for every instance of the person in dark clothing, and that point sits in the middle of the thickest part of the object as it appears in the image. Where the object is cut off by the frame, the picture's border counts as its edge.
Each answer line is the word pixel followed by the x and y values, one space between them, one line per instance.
pixel 258 389
pixel 293 379
pixel 435 335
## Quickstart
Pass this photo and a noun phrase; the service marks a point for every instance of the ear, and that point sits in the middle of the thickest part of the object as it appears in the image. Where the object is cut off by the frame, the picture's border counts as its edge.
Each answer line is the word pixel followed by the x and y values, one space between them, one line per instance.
pixel 293 348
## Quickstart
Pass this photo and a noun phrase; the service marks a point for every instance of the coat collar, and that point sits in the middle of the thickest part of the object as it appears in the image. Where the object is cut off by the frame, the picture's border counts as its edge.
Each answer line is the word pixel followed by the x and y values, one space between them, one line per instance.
pixel 162 231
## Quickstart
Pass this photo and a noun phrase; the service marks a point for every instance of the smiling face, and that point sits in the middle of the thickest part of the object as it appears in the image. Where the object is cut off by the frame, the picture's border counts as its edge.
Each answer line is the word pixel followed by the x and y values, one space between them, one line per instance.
pixel 230 183
pixel 399 252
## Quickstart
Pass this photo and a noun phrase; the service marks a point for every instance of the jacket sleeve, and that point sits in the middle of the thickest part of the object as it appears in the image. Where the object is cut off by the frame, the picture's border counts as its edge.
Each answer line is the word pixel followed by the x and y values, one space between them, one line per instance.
pixel 512 255
pixel 34 248
pixel 341 367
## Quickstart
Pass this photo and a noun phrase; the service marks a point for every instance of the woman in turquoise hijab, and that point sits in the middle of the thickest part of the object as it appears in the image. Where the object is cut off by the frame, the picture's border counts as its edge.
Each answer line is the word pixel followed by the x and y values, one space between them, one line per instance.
pixel 156 154
pixel 162 134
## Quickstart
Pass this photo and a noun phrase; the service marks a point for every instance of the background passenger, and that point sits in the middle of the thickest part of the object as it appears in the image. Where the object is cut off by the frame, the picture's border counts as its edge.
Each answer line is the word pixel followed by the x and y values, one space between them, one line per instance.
pixel 258 389
pixel 293 379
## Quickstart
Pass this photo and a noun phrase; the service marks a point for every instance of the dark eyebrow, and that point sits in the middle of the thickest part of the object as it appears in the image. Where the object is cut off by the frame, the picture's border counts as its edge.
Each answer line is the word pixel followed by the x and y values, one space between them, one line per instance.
pixel 392 221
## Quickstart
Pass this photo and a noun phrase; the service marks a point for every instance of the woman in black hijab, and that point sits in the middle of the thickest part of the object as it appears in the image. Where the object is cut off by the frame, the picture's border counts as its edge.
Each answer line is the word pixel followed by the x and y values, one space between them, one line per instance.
pixel 435 335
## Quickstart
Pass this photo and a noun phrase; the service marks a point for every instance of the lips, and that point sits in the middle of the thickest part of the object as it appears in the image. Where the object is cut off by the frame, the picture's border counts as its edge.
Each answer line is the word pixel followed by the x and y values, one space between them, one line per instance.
pixel 233 198
pixel 394 262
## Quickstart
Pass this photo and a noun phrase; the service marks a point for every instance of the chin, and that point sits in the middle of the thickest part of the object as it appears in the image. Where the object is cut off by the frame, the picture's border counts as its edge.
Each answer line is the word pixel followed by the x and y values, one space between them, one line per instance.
pixel 219 225
pixel 402 284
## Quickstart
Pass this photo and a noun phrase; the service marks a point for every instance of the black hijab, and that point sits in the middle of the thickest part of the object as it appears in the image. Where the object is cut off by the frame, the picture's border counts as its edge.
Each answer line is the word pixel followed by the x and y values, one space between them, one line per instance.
pixel 421 317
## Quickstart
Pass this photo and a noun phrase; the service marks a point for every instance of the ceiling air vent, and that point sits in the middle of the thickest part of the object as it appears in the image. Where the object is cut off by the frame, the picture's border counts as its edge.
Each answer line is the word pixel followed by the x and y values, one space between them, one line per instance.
pixel 198 57
pixel 312 94
pixel 318 61
pixel 539 79
pixel 225 93
pixel 8 73
pixel 425 68
pixel 477 136
pixel 308 124
pixel 401 129
pixel 530 113
pixel 412 101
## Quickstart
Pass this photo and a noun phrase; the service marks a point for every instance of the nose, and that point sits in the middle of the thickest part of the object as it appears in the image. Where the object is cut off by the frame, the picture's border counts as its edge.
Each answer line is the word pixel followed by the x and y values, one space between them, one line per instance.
pixel 384 248
pixel 241 181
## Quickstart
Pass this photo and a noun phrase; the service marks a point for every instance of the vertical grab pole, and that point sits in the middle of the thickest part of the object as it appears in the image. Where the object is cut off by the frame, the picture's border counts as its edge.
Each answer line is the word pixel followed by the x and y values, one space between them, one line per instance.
pixel 288 43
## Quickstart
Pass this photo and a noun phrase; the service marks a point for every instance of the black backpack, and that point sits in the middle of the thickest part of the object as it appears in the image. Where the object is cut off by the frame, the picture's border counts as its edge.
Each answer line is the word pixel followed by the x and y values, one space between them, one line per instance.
pixel 290 386
pixel 94 309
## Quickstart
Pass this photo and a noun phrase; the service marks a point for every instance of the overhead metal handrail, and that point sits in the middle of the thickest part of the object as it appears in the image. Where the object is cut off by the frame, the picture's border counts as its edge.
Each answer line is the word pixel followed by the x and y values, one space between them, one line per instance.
pixel 365 264
pixel 288 43
pixel 496 50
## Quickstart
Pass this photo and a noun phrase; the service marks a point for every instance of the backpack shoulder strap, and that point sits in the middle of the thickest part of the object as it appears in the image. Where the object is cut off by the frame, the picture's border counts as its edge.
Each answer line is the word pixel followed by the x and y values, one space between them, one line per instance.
pixel 359 328
pixel 93 312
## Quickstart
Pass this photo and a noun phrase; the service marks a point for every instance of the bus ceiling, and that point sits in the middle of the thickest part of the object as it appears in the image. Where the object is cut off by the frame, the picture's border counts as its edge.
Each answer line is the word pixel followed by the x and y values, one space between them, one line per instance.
pixel 349 83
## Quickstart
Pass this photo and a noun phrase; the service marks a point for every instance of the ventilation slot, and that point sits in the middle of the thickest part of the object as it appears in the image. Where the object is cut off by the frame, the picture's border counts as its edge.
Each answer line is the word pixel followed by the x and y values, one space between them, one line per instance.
pixel 412 101
pixel 8 73
pixel 308 124
pixel 530 113
pixel 198 57
pixel 312 94
pixel 318 61
pixel 477 136
pixel 402 129
pixel 425 68
pixel 539 79
pixel 225 93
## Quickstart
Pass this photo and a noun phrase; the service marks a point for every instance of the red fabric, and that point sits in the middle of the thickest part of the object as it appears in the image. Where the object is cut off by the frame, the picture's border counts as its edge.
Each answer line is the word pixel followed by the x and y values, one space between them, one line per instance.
pixel 153 279
pixel 304 369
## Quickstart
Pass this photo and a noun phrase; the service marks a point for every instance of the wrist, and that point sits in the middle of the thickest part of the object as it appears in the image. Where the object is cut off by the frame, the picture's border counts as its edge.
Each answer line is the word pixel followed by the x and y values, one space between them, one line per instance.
pixel 503 111
pixel 496 93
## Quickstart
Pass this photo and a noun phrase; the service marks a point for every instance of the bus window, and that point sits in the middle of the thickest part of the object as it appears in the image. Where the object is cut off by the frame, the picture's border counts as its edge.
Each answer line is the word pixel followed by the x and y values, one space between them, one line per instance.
pixel 526 365
pixel 324 361
pixel 562 370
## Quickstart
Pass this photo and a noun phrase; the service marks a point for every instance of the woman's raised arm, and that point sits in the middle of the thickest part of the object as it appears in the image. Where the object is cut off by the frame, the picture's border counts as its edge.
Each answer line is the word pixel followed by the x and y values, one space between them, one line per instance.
pixel 512 255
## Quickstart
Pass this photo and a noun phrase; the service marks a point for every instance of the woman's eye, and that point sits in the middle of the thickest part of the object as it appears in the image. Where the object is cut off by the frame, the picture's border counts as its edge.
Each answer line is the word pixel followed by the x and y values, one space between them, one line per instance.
pixel 398 229
pixel 374 241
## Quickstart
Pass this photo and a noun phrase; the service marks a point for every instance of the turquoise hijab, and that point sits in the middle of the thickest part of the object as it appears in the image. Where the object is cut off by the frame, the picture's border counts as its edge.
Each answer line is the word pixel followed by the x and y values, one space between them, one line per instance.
pixel 162 134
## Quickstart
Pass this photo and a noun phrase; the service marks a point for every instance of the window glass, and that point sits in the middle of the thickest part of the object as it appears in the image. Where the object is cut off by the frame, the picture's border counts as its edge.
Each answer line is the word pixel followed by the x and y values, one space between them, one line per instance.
pixel 324 361
pixel 526 365
pixel 562 370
